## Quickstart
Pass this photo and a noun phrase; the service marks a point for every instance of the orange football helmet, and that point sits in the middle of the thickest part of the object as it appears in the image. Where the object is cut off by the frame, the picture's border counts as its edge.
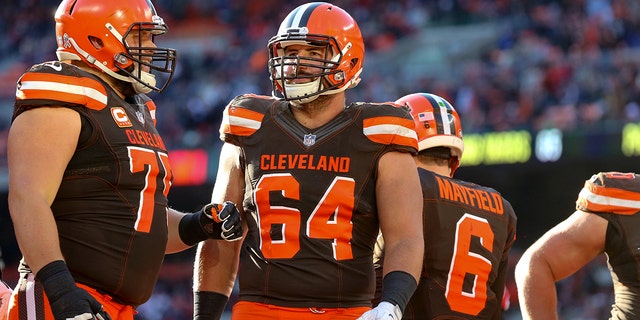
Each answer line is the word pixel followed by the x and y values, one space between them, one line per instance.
pixel 437 124
pixel 93 31
pixel 318 24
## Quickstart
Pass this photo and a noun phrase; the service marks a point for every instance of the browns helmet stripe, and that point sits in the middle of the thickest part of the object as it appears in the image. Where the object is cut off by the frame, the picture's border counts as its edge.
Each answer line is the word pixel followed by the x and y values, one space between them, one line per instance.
pixel 300 16
pixel 441 115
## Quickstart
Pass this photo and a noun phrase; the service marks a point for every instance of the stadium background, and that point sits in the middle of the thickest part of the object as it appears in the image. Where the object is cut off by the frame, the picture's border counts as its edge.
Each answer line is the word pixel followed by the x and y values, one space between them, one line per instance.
pixel 548 92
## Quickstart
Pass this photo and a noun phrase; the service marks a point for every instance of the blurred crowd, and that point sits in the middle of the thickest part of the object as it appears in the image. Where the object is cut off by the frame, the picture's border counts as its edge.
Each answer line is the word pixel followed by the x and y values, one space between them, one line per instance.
pixel 567 64
pixel 572 64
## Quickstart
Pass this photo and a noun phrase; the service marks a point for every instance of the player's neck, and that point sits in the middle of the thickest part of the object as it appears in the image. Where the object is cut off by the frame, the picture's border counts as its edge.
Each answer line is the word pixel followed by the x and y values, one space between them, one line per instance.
pixel 319 111
pixel 437 169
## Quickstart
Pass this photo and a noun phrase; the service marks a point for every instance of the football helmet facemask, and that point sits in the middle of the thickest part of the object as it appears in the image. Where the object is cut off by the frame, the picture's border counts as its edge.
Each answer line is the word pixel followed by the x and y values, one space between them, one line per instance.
pixel 94 31
pixel 317 24
pixel 437 124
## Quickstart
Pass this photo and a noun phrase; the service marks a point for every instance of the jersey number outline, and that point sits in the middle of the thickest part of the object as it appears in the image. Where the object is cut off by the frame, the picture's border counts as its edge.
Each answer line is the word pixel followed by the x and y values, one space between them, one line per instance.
pixel 464 263
pixel 139 160
pixel 331 218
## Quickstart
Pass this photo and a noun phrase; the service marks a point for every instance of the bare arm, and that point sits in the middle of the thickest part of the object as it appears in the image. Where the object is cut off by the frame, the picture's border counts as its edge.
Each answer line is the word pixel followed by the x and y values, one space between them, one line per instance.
pixel 41 142
pixel 400 213
pixel 559 253
pixel 216 262
pixel 174 243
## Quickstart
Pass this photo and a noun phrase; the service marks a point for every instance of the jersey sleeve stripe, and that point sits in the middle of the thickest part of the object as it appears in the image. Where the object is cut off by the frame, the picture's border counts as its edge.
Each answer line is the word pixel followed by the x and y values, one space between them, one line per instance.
pixel 601 199
pixel 391 130
pixel 152 110
pixel 241 122
pixel 65 89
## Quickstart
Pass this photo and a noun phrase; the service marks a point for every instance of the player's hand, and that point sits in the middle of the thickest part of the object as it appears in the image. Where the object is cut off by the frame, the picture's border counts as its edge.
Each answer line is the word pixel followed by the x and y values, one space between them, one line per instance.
pixel 66 299
pixel 384 311
pixel 77 304
pixel 221 221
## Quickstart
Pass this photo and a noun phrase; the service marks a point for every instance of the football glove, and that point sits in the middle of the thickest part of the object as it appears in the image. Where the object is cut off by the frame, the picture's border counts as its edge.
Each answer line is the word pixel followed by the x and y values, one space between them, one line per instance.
pixel 67 300
pixel 384 311
pixel 214 221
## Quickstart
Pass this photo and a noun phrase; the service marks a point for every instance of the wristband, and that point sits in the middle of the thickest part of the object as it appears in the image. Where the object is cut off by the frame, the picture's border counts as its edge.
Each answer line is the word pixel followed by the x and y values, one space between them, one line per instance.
pixel 190 229
pixel 208 305
pixel 56 279
pixel 397 288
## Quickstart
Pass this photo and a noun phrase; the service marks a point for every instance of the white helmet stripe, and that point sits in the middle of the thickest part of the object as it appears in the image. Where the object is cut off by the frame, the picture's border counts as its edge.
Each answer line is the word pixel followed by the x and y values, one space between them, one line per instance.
pixel 295 23
pixel 299 18
pixel 444 115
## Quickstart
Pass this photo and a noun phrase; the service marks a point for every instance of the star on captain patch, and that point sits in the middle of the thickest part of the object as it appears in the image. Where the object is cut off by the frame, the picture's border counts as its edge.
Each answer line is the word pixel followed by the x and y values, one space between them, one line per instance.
pixel 309 139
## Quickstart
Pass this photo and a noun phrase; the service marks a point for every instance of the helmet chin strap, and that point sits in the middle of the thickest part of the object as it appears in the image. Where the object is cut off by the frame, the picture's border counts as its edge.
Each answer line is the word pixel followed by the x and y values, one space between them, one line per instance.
pixel 298 90
pixel 148 79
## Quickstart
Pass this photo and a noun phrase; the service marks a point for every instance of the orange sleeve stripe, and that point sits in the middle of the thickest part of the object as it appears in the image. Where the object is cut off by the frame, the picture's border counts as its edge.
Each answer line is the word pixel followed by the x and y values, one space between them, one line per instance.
pixel 240 121
pixel 382 120
pixel 391 130
pixel 613 192
pixel 152 109
pixel 595 207
pixel 601 199
pixel 66 89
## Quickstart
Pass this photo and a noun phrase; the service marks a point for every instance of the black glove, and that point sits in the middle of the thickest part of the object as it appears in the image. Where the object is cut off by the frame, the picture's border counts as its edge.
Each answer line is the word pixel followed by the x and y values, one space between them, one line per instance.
pixel 214 221
pixel 67 301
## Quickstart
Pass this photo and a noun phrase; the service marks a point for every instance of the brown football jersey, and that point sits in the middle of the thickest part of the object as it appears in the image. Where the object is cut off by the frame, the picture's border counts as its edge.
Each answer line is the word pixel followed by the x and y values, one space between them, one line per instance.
pixel 310 200
pixel 469 230
pixel 615 196
pixel 111 207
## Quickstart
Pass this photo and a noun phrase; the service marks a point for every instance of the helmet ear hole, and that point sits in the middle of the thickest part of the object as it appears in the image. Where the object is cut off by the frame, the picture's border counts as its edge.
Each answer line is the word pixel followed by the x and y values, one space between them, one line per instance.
pixel 96 42
pixel 354 62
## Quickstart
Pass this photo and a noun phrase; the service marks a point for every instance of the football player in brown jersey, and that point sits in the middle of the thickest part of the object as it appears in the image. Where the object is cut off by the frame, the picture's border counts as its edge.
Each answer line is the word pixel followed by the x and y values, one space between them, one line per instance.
pixel 468 229
pixel 606 220
pixel 317 178
pixel 89 172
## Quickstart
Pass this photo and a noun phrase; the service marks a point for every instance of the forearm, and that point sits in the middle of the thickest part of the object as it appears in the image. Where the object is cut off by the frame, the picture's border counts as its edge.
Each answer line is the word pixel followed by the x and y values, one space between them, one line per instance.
pixel 216 266
pixel 174 243
pixel 405 255
pixel 36 233
pixel 536 292
pixel 214 277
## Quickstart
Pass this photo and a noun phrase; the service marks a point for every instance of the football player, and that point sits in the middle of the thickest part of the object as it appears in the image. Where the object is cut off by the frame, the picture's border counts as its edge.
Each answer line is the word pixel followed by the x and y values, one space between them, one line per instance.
pixel 605 221
pixel 468 229
pixel 90 173
pixel 317 178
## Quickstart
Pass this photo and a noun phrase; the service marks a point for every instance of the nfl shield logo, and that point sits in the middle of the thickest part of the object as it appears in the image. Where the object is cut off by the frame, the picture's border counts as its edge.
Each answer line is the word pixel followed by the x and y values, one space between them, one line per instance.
pixel 140 116
pixel 309 139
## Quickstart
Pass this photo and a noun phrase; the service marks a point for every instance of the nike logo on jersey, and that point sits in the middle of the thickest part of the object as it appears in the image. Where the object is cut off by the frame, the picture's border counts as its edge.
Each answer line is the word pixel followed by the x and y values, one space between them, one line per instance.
pixel 54 65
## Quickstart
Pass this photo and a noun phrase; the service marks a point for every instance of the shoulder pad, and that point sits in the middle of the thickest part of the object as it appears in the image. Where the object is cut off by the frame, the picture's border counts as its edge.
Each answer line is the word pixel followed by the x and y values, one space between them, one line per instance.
pixel 386 123
pixel 243 115
pixel 59 83
pixel 610 192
